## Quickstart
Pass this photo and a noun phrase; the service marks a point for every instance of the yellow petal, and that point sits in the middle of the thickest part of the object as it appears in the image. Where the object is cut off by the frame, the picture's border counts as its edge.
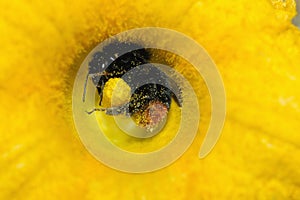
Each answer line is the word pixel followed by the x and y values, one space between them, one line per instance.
pixel 255 46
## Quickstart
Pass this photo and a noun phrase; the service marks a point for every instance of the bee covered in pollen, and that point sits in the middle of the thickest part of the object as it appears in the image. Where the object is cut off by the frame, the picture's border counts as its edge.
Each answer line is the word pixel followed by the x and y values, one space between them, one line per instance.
pixel 152 90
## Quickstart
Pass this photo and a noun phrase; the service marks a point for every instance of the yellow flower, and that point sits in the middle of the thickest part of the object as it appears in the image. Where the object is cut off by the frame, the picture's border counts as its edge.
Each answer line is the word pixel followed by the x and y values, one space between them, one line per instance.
pixel 255 46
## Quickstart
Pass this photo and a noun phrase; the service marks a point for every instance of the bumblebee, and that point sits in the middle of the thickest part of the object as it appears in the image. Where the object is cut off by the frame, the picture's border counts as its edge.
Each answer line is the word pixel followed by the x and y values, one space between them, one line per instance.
pixel 152 89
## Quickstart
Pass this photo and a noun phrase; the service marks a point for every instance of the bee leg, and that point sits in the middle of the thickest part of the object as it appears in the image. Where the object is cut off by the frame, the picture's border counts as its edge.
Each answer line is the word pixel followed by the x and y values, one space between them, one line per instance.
pixel 118 110
pixel 100 88
pixel 95 109
pixel 124 109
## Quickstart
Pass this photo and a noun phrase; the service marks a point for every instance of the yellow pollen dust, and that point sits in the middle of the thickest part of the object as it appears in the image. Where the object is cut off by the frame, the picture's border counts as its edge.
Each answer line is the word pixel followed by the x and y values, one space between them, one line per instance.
pixel 116 92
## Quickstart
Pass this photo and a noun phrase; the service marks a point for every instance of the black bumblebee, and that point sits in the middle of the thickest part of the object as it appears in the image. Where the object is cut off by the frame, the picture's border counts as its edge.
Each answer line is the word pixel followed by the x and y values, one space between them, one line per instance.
pixel 151 98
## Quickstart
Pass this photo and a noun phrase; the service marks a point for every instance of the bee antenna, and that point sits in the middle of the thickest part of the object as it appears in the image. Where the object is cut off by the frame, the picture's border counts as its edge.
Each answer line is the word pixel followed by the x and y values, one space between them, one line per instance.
pixel 84 89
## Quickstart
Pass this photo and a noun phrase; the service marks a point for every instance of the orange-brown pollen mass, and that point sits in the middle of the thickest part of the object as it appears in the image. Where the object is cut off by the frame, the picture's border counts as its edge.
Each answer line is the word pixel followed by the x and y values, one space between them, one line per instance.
pixel 154 113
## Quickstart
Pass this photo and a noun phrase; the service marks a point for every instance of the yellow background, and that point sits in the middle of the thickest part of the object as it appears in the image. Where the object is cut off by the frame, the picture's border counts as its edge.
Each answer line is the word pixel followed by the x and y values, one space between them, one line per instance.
pixel 255 47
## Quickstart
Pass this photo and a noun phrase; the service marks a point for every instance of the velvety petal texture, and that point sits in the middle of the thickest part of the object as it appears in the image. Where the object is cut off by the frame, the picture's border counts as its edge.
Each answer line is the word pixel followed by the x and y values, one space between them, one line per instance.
pixel 254 45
